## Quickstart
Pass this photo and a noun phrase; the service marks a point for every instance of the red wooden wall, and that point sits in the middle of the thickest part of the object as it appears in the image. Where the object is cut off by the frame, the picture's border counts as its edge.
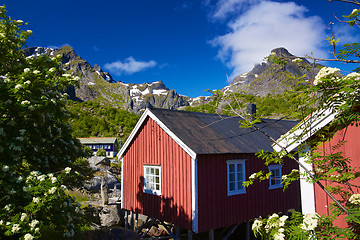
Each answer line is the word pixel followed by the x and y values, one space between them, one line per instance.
pixel 216 209
pixel 351 149
pixel 153 146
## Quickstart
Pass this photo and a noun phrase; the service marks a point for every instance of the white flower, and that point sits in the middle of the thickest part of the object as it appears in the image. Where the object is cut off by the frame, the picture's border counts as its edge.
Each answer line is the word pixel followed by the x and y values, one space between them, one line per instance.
pixel 37 230
pixel 279 236
pixel 284 177
pixel 252 176
pixel 325 72
pixel 7 207
pixel 1 222
pixel 41 178
pixel 53 179
pixel 28 236
pixel 33 224
pixel 28 82
pixel 66 75
pixel 310 221
pixel 36 71
pixel 63 187
pixel 29 31
pixel 52 190
pixel 36 199
pixel 77 209
pixel 354 75
pixel 15 228
pixel 353 11
pixel 52 69
pixel 26 70
pixel 23 217
pixel 25 102
pixel 18 86
pixel 35 173
pixel 5 168
pixel 67 170
pixel 355 199
pixel 256 225
pixel 19 21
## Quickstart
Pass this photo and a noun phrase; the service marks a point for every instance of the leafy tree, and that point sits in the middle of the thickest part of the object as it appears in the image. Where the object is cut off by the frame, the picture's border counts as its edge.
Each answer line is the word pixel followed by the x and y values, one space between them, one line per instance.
pixel 335 92
pixel 101 153
pixel 40 159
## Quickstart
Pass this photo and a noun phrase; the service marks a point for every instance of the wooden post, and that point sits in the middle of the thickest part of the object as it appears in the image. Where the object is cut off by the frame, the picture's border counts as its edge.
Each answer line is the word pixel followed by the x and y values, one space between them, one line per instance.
pixel 211 234
pixel 189 235
pixel 136 221
pixel 177 232
pixel 132 221
pixel 248 227
pixel 126 219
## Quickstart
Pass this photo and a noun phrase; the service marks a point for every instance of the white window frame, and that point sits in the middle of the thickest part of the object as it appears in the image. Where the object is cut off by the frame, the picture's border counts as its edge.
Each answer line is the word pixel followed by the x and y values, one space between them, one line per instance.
pixel 275 167
pixel 237 190
pixel 149 186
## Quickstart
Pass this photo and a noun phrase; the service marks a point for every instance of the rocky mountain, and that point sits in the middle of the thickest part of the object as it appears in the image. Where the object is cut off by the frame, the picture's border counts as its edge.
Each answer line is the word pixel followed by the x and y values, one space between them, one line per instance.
pixel 281 72
pixel 272 77
pixel 95 84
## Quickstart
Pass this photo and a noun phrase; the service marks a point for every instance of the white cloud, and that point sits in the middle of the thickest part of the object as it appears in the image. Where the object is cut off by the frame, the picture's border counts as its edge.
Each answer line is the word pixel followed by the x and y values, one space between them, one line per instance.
pixel 226 7
pixel 129 66
pixel 265 26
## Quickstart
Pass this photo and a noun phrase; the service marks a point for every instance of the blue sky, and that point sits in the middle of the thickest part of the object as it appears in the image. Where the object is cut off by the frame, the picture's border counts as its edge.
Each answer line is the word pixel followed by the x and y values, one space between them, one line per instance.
pixel 189 45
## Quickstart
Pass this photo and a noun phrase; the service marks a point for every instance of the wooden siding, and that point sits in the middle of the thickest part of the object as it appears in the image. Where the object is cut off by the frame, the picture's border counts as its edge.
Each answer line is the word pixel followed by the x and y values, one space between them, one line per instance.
pixel 152 146
pixel 216 209
pixel 350 149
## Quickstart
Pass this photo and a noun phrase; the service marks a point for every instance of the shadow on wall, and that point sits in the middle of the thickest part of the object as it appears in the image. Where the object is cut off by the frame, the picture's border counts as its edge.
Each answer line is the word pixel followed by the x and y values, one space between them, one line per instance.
pixel 161 207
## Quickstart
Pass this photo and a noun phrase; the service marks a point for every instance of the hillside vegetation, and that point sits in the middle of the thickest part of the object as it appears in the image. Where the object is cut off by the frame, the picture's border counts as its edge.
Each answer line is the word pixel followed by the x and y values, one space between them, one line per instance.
pixel 93 119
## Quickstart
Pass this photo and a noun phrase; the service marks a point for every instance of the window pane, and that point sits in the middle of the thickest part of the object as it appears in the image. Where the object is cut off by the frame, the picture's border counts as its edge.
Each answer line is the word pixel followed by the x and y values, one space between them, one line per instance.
pixel 232 186
pixel 147 170
pixel 157 172
pixel 157 187
pixel 239 185
pixel 231 167
pixel 157 180
pixel 239 167
pixel 240 176
pixel 151 170
pixel 232 177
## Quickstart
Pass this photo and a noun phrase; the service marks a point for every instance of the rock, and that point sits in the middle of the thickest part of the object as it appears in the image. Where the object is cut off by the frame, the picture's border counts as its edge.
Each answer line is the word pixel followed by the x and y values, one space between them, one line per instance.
pixel 104 192
pixel 111 215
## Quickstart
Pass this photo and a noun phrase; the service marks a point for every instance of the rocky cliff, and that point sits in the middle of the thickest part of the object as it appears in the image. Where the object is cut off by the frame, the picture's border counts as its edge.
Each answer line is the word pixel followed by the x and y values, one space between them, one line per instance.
pixel 281 72
pixel 98 85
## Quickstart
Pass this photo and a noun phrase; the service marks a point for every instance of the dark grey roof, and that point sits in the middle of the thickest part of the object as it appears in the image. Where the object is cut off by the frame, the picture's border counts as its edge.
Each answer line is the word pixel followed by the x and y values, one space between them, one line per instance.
pixel 213 134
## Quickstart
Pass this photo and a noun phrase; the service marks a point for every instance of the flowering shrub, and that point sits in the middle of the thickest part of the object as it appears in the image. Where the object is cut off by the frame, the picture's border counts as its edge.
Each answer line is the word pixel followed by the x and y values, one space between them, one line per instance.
pixel 36 143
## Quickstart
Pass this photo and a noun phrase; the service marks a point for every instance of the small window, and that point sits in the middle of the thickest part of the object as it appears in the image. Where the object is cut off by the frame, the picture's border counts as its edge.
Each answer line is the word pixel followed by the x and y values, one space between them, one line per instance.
pixel 235 177
pixel 275 178
pixel 152 179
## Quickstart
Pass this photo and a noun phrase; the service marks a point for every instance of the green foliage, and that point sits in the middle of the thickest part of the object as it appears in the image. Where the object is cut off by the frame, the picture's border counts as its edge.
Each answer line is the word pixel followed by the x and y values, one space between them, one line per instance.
pixel 91 118
pixel 101 153
pixel 36 143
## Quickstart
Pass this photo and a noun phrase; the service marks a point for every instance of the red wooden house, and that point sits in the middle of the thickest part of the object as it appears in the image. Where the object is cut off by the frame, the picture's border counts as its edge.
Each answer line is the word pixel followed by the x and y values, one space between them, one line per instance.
pixel 313 197
pixel 187 168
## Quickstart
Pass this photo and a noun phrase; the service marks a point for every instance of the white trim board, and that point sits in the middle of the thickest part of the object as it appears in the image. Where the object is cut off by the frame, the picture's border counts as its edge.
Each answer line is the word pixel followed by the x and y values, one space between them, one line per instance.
pixel 194 196
pixel 310 125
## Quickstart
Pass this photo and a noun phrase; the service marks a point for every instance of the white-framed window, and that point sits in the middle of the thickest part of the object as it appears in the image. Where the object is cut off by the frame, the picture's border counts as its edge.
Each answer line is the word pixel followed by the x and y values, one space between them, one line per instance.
pixel 152 179
pixel 235 177
pixel 275 178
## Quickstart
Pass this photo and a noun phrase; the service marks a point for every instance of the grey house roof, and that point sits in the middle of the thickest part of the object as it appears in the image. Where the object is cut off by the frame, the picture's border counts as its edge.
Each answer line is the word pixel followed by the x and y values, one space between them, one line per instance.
pixel 203 133
pixel 213 134
pixel 98 140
